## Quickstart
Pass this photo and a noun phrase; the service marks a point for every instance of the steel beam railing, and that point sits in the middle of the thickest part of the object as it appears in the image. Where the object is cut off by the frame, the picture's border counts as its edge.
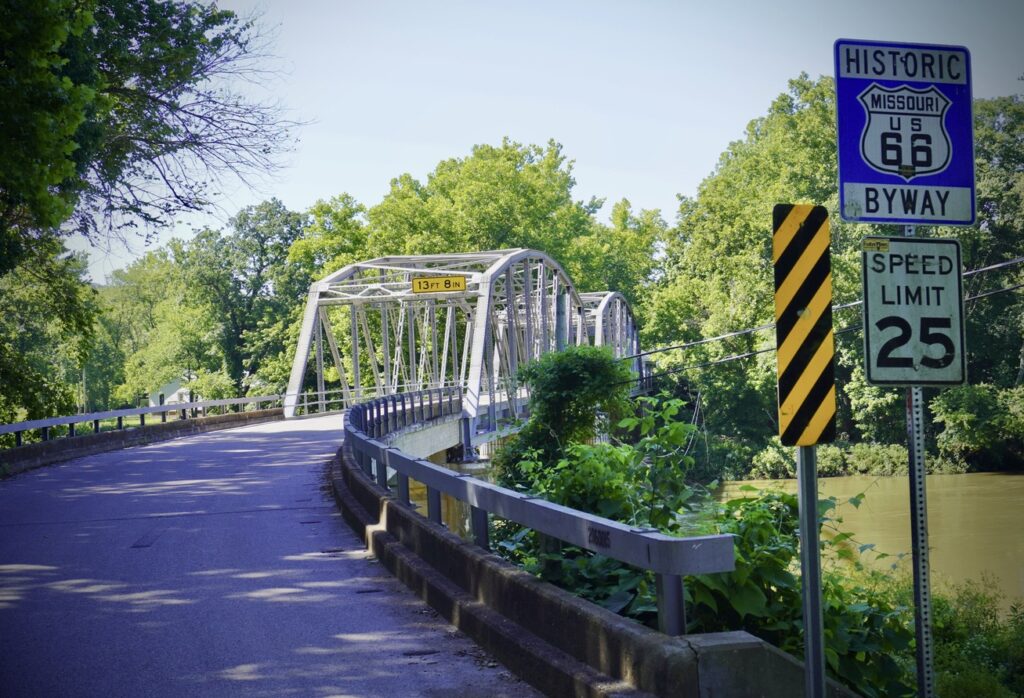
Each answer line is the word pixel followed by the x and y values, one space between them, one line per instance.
pixel 370 425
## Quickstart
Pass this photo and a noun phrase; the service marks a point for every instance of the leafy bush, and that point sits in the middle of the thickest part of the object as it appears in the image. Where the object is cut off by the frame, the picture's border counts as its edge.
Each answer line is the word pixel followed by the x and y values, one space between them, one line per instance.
pixel 868 617
pixel 865 631
pixel 722 458
pixel 777 461
pixel 983 426
pixel 978 650
pixel 774 462
pixel 643 485
pixel 832 461
pixel 574 394
pixel 877 459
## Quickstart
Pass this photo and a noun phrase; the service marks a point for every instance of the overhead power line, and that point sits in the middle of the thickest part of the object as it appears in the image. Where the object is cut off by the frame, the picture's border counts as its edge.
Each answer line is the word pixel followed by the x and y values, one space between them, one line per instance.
pixel 844 330
pixel 845 306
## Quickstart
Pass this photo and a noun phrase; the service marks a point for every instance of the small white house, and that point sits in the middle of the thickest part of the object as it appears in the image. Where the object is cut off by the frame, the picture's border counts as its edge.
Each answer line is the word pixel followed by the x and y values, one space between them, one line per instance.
pixel 173 393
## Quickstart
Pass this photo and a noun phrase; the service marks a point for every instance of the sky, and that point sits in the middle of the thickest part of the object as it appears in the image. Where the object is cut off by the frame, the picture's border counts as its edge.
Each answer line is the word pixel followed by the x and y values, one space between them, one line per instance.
pixel 643 96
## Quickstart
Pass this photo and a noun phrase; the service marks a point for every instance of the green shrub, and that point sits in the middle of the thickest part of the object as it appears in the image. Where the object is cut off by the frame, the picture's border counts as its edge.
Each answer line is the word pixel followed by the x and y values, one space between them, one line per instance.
pixel 723 458
pixel 778 461
pixel 866 632
pixel 971 682
pixel 877 459
pixel 868 617
pixel 574 394
pixel 976 644
pixel 831 461
pixel 774 462
pixel 983 426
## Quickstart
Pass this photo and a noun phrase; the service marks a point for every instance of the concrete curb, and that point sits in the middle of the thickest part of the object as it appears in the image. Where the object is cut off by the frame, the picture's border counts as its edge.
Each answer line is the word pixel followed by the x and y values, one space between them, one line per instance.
pixel 535 661
pixel 37 455
pixel 559 643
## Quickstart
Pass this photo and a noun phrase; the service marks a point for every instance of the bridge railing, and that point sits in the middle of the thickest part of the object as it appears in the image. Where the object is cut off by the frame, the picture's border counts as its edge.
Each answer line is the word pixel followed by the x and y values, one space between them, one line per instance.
pixel 96 421
pixel 307 403
pixel 368 426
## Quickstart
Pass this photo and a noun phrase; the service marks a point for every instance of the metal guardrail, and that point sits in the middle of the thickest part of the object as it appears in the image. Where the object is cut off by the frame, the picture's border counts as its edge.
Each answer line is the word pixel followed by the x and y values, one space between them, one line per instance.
pixel 370 424
pixel 184 410
pixel 308 403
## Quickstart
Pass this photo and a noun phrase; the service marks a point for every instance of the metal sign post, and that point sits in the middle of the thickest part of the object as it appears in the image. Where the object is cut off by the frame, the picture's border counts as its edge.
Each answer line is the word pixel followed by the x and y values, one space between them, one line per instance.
pixel 810 572
pixel 919 533
pixel 919 541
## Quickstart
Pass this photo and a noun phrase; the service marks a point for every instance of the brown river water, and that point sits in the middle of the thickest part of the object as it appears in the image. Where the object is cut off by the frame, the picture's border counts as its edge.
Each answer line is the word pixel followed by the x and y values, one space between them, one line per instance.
pixel 975 523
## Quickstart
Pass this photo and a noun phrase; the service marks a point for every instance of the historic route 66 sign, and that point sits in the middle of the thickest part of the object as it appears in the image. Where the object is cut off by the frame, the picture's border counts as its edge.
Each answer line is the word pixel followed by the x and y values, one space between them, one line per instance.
pixel 906 139
pixel 905 133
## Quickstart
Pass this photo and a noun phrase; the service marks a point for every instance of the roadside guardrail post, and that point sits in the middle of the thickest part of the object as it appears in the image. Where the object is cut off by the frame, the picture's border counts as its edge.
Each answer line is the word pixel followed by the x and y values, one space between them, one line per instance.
pixel 403 488
pixel 671 606
pixel 382 473
pixel 478 522
pixel 434 505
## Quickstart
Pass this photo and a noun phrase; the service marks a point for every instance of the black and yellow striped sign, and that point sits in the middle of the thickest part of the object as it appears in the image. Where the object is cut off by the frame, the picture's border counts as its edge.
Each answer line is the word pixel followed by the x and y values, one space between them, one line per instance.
pixel 803 324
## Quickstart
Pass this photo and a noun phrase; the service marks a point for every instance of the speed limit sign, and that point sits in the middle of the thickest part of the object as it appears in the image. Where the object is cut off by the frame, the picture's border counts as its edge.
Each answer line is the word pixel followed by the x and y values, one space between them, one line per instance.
pixel 913 312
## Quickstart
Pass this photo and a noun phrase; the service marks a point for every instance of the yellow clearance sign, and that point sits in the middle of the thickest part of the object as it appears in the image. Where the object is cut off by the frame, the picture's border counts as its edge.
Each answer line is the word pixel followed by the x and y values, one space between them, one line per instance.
pixel 438 284
pixel 803 324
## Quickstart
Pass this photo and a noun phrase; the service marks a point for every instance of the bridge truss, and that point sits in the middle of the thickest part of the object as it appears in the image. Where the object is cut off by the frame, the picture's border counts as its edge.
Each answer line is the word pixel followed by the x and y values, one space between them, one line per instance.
pixel 384 338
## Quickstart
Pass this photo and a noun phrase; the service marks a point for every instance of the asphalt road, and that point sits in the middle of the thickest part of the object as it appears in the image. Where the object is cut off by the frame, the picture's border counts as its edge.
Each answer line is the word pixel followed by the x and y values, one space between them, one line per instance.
pixel 214 565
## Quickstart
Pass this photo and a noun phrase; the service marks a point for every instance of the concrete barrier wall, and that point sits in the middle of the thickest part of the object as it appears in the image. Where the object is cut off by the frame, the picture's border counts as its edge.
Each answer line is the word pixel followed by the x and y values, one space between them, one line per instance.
pixel 427 438
pixel 561 644
pixel 17 460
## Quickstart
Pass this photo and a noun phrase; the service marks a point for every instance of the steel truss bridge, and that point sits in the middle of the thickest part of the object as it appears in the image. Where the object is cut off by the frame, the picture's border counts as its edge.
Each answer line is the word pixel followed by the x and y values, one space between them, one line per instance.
pixel 383 337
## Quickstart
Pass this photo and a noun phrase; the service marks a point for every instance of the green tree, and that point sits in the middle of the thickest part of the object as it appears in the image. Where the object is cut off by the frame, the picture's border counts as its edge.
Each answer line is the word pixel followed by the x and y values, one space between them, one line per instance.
pixel 168 119
pixel 995 326
pixel 42 111
pixel 46 319
pixel 148 334
pixel 718 273
pixel 497 198
pixel 120 113
pixel 622 256
pixel 334 237
pixel 243 282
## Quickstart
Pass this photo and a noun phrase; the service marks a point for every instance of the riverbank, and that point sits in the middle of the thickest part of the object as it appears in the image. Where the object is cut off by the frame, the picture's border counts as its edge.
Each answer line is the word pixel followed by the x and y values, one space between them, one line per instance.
pixel 974 523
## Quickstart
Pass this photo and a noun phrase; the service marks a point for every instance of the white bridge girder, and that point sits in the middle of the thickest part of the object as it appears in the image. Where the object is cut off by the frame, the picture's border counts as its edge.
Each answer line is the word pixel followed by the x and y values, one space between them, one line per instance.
pixel 384 339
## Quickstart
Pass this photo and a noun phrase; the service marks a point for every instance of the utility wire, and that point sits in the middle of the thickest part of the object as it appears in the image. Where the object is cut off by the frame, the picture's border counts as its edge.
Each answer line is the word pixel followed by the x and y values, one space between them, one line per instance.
pixel 845 306
pixel 747 355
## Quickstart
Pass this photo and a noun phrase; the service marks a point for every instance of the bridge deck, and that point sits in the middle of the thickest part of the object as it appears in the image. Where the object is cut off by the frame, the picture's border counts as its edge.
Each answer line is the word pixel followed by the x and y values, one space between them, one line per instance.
pixel 213 565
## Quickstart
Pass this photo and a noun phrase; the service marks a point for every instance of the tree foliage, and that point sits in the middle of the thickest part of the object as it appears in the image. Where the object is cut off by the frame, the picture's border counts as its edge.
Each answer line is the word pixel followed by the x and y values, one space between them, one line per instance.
pixel 499 197
pixel 119 114
pixel 718 274
pixel 573 394
pixel 168 119
pixel 42 112
pixel 243 283
pixel 46 325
